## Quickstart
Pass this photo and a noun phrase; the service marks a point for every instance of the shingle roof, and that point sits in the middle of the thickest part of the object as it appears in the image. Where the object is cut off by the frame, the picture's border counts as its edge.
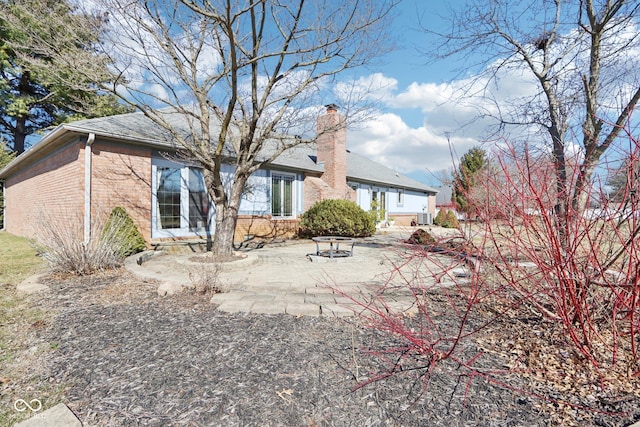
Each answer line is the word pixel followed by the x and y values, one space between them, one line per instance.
pixel 138 129
pixel 360 168
pixel 132 127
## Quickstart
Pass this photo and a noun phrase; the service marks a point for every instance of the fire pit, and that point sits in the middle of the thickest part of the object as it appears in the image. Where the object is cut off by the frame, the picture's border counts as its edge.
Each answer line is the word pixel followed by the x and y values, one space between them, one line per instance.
pixel 334 242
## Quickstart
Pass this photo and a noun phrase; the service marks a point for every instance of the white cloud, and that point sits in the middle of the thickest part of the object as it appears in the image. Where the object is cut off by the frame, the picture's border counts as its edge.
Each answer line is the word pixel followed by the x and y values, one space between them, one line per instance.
pixel 460 112
pixel 388 140
pixel 373 88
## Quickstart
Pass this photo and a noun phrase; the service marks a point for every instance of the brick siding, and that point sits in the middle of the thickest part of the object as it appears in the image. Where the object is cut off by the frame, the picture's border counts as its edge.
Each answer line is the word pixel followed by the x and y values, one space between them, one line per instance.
pixel 122 177
pixel 52 189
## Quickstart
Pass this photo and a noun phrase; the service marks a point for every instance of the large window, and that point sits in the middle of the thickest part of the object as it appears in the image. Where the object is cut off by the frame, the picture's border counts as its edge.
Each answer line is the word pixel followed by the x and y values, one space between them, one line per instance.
pixel 168 196
pixel 198 200
pixel 282 195
pixel 182 206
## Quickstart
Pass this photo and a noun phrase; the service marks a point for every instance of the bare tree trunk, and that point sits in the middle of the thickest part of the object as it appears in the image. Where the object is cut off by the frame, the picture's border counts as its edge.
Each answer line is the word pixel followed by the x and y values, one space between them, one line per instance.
pixel 227 208
pixel 19 134
pixel 226 220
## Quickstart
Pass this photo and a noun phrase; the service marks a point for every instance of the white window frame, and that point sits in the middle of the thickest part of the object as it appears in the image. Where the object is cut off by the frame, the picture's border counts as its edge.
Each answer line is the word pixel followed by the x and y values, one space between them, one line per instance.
pixel 184 231
pixel 294 193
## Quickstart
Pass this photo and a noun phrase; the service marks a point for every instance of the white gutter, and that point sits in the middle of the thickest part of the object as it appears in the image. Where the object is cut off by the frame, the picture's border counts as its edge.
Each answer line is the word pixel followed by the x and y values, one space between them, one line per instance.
pixel 87 187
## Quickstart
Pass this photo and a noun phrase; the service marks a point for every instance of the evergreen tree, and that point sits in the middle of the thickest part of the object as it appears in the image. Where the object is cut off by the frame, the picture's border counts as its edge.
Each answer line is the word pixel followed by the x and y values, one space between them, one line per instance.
pixel 624 182
pixel 38 89
pixel 5 157
pixel 471 163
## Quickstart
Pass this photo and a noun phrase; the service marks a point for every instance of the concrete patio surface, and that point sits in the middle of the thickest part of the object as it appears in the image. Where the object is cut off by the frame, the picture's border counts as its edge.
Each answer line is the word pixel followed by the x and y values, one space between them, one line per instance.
pixel 288 278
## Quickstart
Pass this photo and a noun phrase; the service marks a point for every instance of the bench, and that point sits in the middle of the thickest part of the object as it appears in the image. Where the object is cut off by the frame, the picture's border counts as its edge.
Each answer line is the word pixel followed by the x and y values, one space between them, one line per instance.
pixel 334 246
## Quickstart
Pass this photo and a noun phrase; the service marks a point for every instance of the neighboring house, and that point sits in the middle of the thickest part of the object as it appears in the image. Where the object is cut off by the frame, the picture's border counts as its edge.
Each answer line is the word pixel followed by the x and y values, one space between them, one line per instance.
pixel 81 170
pixel 444 198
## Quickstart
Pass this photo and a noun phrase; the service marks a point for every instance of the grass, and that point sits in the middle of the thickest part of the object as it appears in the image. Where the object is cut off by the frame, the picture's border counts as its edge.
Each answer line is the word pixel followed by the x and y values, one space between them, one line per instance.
pixel 19 346
pixel 18 259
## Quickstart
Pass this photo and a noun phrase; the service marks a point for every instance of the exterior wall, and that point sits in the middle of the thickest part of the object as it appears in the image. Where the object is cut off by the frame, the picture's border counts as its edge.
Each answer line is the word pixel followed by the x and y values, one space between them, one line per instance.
pixel 52 189
pixel 122 177
pixel 316 189
pixel 264 227
pixel 413 202
pixel 257 198
pixel 49 191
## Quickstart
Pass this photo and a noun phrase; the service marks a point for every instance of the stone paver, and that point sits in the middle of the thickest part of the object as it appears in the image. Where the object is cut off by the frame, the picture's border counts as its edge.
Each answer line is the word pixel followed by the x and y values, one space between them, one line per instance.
pixel 58 416
pixel 288 278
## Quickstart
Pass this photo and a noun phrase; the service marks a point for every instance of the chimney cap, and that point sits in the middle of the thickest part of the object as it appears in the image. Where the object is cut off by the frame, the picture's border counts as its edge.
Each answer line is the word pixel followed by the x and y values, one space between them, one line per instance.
pixel 331 107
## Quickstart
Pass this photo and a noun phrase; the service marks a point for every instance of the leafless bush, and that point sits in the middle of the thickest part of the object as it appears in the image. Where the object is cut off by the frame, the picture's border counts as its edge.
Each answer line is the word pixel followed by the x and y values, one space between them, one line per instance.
pixel 205 278
pixel 555 300
pixel 63 245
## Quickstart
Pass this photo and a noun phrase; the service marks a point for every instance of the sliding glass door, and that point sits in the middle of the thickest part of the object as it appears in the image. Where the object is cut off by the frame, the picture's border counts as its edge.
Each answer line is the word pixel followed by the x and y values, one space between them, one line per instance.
pixel 181 207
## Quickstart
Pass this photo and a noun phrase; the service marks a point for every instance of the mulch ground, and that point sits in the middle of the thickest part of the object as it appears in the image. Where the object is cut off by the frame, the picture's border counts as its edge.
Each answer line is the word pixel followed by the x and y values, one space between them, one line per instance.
pixel 128 357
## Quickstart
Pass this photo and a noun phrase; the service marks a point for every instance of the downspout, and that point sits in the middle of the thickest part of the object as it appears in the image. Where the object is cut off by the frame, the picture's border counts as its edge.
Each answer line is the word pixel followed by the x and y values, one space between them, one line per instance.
pixel 87 187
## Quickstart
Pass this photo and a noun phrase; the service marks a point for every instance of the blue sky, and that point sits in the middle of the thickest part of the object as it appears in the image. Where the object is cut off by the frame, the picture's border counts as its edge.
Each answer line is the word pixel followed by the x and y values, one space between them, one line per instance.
pixel 406 136
pixel 419 118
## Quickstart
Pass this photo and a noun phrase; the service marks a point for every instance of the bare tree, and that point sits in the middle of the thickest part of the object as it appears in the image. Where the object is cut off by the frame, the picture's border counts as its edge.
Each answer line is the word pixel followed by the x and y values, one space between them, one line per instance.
pixel 243 77
pixel 581 56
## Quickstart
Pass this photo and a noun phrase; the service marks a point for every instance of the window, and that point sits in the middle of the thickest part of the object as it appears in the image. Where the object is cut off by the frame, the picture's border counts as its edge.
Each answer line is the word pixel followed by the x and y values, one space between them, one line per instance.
pixel 282 195
pixel 168 196
pixel 182 205
pixel 198 200
pixel 400 197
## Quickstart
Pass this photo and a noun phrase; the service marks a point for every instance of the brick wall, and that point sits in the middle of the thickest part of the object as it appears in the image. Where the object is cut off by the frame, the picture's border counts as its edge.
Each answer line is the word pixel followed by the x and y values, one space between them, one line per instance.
pixel 51 190
pixel 263 227
pixel 122 177
pixel 332 151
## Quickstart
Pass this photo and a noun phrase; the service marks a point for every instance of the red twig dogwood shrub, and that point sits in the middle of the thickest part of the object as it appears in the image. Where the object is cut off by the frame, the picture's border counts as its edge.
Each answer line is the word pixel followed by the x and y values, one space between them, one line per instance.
pixel 571 283
pixel 441 279
pixel 581 270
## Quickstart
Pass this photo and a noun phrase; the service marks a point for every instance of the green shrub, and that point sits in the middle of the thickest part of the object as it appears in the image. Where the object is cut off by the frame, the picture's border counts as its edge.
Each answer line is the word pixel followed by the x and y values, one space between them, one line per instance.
pixel 441 218
pixel 337 218
pixel 446 219
pixel 377 213
pixel 452 220
pixel 128 235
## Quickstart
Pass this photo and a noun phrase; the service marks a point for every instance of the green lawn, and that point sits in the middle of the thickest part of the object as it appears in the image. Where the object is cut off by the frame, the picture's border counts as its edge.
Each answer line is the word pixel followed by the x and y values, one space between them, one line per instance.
pixel 18 259
pixel 18 378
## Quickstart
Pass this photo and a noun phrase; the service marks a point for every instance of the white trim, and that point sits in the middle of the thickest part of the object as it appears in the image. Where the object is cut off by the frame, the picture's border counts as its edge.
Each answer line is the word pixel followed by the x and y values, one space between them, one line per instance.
pixel 88 151
pixel 294 193
pixel 184 231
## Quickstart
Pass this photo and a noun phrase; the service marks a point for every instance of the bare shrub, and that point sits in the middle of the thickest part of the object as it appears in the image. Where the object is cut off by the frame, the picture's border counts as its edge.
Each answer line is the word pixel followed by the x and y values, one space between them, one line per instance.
pixel 555 301
pixel 581 271
pixel 205 278
pixel 62 243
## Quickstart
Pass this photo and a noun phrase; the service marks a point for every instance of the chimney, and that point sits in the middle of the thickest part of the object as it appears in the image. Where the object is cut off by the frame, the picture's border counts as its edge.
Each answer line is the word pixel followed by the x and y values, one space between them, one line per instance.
pixel 332 149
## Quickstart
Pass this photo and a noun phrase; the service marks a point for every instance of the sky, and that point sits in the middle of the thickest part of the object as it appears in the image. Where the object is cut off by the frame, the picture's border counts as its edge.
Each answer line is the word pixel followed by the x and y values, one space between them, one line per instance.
pixel 417 121
pixel 419 127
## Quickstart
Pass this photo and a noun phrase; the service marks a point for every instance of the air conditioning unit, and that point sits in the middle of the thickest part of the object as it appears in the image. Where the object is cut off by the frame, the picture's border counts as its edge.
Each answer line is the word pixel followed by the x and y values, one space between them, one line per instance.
pixel 425 218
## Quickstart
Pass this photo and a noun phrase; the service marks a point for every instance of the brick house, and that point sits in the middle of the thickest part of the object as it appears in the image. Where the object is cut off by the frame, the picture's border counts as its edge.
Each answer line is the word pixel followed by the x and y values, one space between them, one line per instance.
pixel 83 169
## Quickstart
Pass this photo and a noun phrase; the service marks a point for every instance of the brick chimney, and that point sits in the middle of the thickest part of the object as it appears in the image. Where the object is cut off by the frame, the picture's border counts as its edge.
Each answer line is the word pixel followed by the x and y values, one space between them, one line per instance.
pixel 332 150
